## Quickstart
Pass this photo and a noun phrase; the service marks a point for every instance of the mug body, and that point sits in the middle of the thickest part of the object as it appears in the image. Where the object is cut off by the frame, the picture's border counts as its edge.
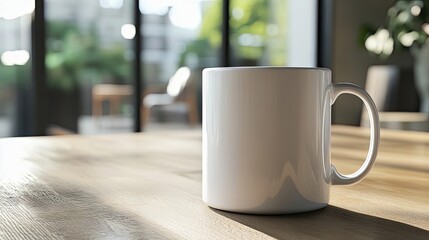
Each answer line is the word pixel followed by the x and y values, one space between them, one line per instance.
pixel 266 139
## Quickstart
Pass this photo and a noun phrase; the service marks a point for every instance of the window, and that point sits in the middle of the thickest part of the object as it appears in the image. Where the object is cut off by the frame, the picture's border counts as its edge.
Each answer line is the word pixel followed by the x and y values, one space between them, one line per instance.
pixel 91 64
pixel 15 66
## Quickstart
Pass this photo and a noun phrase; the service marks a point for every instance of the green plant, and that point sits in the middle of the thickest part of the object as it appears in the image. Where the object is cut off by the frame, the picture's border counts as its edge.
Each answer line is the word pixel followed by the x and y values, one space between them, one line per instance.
pixel 251 23
pixel 407 26
pixel 249 26
pixel 15 75
pixel 74 58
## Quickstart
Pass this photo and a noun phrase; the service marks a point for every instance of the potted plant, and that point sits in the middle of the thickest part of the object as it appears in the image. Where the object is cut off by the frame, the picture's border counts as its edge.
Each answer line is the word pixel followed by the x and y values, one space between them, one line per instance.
pixel 407 27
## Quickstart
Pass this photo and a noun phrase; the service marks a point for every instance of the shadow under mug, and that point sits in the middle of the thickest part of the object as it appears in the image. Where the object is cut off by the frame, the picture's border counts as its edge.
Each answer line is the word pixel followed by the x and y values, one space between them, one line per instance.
pixel 266 138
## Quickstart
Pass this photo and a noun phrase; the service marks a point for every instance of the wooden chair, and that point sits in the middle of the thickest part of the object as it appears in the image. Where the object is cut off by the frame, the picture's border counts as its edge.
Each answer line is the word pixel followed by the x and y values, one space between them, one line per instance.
pixel 179 90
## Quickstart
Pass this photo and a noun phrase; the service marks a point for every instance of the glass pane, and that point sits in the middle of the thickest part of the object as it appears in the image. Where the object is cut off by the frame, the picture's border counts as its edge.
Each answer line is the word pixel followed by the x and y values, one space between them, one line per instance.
pixel 15 66
pixel 258 32
pixel 89 65
pixel 180 38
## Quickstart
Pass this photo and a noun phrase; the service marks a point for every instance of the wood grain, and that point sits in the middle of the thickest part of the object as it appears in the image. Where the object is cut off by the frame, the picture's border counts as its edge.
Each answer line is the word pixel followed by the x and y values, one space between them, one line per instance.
pixel 148 186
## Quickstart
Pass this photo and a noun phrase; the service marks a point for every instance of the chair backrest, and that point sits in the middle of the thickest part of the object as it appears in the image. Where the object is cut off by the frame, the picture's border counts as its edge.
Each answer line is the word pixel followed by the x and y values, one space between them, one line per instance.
pixel 382 85
pixel 178 81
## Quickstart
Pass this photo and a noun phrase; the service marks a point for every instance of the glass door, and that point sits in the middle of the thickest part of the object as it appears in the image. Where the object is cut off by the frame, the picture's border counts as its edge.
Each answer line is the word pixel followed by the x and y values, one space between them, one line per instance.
pixel 15 66
pixel 89 63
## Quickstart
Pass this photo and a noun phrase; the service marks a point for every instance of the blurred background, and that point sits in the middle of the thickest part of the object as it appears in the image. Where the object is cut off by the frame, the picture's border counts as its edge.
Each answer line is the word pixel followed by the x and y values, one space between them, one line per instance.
pixel 108 66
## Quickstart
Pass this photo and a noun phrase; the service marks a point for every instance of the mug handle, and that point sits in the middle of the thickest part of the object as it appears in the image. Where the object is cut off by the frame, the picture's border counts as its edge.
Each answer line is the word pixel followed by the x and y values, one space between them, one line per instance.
pixel 338 89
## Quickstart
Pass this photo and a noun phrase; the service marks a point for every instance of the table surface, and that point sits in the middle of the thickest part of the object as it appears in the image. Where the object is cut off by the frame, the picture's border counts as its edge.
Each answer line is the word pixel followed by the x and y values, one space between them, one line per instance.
pixel 412 121
pixel 148 186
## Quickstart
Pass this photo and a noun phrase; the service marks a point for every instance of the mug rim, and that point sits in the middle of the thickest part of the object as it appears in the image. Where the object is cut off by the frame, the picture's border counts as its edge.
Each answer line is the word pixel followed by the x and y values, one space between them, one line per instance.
pixel 267 68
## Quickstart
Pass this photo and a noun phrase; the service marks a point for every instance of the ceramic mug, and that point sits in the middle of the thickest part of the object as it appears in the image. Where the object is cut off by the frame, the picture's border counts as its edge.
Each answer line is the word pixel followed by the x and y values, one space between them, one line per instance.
pixel 266 138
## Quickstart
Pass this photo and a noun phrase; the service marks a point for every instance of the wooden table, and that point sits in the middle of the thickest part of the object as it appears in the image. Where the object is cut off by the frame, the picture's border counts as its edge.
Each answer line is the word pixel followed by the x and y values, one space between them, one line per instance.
pixel 148 186
pixel 111 93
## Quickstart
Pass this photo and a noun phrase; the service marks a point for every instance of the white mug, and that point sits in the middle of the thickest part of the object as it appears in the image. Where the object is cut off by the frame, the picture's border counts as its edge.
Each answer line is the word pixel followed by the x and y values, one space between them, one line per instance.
pixel 266 138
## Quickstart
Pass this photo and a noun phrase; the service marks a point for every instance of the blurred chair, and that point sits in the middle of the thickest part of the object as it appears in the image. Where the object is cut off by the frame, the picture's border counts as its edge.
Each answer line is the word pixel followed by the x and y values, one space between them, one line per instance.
pixel 382 85
pixel 179 90
pixel 111 93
